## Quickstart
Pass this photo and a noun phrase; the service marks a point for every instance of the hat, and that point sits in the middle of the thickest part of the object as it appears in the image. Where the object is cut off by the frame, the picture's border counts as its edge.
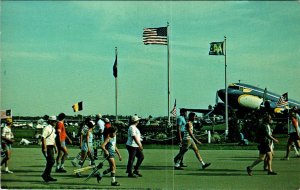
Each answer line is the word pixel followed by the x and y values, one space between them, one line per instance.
pixel 135 118
pixel 52 118
pixel 106 120
pixel 99 116
pixel 8 120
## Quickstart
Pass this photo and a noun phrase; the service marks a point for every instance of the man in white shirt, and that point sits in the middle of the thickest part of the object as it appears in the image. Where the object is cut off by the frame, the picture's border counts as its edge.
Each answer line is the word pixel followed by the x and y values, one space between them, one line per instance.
pixel 134 147
pixel 48 148
pixel 98 132
pixel 6 142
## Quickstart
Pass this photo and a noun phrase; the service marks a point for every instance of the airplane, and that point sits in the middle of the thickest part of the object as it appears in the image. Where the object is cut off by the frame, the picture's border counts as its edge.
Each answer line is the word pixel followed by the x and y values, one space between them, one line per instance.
pixel 243 98
pixel 247 97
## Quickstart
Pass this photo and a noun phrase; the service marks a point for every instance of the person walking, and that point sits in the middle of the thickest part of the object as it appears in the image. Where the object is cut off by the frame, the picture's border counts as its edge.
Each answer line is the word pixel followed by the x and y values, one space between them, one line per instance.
pixel 264 138
pixel 87 144
pixel 6 144
pixel 109 148
pixel 134 147
pixel 49 148
pixel 61 143
pixel 98 134
pixel 82 130
pixel 189 140
pixel 107 123
pixel 181 122
pixel 294 133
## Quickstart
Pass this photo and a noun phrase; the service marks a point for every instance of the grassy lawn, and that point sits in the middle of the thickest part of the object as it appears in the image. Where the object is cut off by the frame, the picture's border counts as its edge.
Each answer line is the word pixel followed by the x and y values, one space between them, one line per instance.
pixel 226 172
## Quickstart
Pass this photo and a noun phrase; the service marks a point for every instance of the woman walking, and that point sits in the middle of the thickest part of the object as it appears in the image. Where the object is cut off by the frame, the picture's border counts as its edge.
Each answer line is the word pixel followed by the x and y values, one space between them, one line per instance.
pixel 189 140
pixel 264 138
pixel 109 148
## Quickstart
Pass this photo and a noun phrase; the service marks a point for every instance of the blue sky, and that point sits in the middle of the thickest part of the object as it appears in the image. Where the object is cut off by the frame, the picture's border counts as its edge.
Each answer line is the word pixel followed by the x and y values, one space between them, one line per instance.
pixel 54 54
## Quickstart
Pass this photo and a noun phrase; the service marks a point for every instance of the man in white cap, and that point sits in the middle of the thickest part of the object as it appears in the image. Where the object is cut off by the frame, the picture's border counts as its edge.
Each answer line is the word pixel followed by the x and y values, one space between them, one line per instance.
pixel 6 142
pixel 134 147
pixel 98 132
pixel 49 148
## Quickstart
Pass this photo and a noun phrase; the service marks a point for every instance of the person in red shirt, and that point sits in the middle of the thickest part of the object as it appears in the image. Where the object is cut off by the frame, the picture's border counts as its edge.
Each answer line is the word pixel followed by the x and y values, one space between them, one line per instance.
pixel 107 123
pixel 61 136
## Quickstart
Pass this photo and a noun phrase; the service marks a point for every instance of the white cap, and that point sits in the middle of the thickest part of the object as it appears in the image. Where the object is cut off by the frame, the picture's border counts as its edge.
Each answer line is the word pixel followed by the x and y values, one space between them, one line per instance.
pixel 52 118
pixel 135 118
pixel 106 120
pixel 40 121
pixel 99 116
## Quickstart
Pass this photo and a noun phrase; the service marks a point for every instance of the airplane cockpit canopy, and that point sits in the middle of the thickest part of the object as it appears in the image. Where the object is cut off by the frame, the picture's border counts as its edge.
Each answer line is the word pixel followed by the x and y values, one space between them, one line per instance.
pixel 240 88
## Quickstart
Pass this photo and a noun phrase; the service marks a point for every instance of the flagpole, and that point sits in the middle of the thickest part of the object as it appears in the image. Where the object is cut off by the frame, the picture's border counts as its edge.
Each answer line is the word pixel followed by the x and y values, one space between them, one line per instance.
pixel 168 73
pixel 116 89
pixel 226 92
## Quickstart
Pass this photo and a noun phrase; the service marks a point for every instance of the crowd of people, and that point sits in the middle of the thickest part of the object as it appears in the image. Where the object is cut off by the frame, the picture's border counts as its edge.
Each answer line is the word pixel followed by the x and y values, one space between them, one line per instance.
pixel 93 136
pixel 101 134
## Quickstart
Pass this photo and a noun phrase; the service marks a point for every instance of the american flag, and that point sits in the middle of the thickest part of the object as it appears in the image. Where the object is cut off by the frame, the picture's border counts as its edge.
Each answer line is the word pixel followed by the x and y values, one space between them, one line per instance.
pixel 283 100
pixel 6 114
pixel 155 36
pixel 174 110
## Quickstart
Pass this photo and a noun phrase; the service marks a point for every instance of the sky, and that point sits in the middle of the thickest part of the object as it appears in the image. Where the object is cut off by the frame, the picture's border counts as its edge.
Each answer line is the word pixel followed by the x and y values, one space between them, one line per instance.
pixel 57 53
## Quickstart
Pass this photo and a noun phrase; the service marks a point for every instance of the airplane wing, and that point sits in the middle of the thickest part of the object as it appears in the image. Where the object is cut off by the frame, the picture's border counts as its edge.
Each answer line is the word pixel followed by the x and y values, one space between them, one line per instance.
pixel 205 111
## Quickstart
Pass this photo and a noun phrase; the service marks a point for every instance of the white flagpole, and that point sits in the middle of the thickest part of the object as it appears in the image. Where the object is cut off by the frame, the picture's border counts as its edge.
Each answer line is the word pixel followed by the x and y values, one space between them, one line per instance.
pixel 168 74
pixel 116 87
pixel 226 92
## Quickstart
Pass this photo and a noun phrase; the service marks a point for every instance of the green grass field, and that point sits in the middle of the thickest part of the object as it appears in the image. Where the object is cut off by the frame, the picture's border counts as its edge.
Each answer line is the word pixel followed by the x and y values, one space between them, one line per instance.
pixel 226 172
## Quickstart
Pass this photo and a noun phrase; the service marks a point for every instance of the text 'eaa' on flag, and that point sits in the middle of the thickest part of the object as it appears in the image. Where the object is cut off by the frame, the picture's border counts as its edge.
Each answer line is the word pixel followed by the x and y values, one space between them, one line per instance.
pixel 283 100
pixel 77 107
pixel 216 48
pixel 155 36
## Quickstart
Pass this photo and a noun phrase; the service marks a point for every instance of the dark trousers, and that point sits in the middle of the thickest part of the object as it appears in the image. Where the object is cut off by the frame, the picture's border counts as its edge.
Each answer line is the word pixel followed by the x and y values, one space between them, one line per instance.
pixel 50 160
pixel 179 156
pixel 134 152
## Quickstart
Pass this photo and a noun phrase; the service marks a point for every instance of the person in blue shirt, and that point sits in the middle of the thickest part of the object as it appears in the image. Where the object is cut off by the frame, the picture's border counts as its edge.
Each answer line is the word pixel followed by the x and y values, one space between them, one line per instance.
pixel 181 122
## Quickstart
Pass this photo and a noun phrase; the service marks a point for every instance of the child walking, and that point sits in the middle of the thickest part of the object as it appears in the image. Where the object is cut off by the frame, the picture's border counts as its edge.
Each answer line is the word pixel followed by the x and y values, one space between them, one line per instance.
pixel 109 148
pixel 87 144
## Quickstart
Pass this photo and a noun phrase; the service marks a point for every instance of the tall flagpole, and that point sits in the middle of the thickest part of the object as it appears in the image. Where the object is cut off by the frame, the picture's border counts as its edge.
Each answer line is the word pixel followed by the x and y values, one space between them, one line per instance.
pixel 168 74
pixel 116 87
pixel 226 92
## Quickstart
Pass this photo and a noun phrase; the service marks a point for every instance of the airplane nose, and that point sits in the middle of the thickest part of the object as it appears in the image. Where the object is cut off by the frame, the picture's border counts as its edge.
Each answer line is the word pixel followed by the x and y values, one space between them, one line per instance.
pixel 221 94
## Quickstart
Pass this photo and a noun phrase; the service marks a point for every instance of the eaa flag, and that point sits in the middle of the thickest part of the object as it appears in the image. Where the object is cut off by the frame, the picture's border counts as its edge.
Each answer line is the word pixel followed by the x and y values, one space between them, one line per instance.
pixel 216 48
pixel 77 107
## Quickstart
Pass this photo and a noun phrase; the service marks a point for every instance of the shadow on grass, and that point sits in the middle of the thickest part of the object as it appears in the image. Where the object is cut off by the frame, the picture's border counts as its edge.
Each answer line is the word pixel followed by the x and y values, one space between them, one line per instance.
pixel 147 167
pixel 35 166
pixel 216 172
pixel 26 171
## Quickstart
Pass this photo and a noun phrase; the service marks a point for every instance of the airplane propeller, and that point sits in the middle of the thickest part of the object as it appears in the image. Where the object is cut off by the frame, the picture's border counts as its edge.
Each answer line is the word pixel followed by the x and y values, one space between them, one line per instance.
pixel 217 98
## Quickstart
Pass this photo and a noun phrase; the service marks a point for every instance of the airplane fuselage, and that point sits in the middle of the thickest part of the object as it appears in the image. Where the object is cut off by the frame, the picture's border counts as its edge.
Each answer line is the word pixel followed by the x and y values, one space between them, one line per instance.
pixel 251 97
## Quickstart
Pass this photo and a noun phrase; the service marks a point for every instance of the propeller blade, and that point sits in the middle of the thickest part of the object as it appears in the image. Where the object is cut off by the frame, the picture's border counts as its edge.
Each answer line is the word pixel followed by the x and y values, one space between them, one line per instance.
pixel 217 98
